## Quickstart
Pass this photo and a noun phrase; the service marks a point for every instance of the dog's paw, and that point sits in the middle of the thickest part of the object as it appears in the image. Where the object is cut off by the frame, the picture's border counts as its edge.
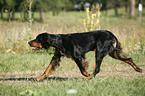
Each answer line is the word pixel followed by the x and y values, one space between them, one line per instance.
pixel 89 77
pixel 139 70
pixel 37 79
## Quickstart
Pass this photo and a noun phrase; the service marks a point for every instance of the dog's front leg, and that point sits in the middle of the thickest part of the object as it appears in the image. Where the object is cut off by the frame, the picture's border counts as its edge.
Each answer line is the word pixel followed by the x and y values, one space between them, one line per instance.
pixel 81 64
pixel 46 73
pixel 53 64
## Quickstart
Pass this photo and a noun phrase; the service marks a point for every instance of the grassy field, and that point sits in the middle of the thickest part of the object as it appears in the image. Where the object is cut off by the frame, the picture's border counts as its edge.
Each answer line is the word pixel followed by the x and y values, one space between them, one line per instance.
pixel 19 64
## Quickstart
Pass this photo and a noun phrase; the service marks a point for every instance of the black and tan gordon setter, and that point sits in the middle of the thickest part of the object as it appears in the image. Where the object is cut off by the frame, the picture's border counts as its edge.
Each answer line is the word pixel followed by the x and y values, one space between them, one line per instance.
pixel 76 45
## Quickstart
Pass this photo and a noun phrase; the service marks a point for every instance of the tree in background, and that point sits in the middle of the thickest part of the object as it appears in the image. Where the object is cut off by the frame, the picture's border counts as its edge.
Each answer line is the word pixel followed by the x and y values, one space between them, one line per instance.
pixel 41 6
pixel 2 4
pixel 58 5
pixel 46 5
pixel 132 8
pixel 30 12
pixel 104 7
pixel 9 5
pixel 126 5
pixel 116 6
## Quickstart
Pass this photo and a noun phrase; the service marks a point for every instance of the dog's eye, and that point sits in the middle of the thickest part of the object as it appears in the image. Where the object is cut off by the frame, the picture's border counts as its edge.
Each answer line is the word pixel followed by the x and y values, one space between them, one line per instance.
pixel 37 40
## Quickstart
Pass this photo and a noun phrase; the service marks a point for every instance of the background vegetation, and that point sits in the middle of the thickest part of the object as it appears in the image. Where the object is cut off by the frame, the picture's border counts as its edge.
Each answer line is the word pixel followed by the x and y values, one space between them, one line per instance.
pixel 19 64
pixel 56 6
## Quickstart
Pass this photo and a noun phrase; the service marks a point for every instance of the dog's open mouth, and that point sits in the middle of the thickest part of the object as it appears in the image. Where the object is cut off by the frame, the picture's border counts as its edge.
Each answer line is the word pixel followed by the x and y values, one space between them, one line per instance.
pixel 36 48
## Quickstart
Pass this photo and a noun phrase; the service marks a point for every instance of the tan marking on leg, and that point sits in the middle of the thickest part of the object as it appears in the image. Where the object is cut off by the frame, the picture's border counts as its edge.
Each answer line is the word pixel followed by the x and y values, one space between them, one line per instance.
pixel 86 74
pixel 139 70
pixel 114 55
pixel 89 77
pixel 45 74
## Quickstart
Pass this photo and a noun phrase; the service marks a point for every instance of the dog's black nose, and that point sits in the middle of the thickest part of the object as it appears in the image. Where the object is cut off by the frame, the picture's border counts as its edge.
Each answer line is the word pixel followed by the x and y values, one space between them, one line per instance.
pixel 29 42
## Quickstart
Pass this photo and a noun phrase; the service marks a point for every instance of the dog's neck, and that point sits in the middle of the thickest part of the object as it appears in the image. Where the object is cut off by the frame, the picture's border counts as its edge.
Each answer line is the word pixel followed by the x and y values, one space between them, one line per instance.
pixel 56 42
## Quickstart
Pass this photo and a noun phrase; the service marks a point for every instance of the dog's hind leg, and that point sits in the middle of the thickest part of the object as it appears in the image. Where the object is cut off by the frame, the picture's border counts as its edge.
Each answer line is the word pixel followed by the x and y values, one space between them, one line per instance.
pixel 53 64
pixel 116 54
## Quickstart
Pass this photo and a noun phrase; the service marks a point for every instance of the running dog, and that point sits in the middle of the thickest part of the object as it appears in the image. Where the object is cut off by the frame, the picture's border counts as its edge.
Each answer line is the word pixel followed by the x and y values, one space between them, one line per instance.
pixel 76 45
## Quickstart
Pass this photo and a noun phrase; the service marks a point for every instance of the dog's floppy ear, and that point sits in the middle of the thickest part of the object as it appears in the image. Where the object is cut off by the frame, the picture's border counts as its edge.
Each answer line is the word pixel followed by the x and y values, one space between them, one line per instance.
pixel 57 43
pixel 51 40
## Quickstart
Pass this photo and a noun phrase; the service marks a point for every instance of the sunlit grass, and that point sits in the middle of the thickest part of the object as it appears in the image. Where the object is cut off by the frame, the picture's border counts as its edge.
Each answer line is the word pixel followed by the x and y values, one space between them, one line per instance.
pixel 13 34
pixel 18 70
pixel 19 64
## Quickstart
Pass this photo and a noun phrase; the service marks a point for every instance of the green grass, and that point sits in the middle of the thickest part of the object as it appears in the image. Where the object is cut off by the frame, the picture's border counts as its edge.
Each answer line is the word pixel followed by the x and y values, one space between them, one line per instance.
pixel 19 64
pixel 97 87
pixel 14 35
pixel 116 78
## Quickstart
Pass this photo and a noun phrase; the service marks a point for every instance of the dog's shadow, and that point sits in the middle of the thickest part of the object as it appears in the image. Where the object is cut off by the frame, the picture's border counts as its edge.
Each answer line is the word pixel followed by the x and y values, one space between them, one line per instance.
pixel 32 79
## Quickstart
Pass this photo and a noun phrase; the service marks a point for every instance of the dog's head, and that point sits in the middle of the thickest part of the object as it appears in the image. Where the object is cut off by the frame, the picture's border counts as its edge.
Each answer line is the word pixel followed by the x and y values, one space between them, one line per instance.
pixel 42 41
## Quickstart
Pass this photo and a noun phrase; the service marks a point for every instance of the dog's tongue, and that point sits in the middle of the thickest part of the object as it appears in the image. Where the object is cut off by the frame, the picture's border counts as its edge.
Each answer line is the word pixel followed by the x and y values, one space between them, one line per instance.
pixel 36 48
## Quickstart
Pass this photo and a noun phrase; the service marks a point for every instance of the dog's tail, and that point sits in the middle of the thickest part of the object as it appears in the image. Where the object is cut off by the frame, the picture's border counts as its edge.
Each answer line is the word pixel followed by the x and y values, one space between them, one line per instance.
pixel 118 51
pixel 117 54
pixel 125 59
